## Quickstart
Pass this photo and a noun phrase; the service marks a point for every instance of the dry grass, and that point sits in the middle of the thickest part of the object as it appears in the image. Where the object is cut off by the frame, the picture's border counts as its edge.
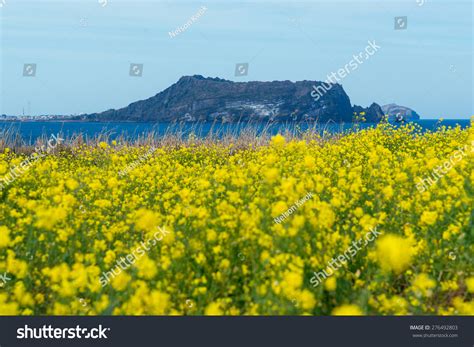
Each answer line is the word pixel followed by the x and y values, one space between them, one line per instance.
pixel 240 135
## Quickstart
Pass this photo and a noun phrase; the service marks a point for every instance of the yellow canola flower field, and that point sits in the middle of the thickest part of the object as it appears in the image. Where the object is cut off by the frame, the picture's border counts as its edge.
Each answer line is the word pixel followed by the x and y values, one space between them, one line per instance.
pixel 192 230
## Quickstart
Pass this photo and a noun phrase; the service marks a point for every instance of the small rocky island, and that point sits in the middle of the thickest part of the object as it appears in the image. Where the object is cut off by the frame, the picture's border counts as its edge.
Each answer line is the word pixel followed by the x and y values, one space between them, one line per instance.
pixel 196 98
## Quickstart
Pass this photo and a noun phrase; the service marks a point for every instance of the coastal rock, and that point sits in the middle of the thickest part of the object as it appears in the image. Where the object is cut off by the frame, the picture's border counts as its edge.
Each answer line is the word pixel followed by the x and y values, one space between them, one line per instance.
pixel 373 113
pixel 397 113
pixel 196 98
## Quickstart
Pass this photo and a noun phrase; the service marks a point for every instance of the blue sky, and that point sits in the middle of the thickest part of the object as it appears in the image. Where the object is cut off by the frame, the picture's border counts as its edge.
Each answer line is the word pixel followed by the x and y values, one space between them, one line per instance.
pixel 83 50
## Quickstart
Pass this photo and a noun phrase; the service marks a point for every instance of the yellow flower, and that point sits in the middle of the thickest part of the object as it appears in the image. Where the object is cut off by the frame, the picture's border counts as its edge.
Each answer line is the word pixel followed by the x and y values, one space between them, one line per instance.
pixel 121 281
pixel 293 279
pixel 463 308
pixel 158 303
pixel 211 235
pixel 225 263
pixel 103 203
pixel 326 216
pixel 394 253
pixel 278 140
pixel 278 208
pixel 347 310
pixel 4 236
pixel 449 286
pixel 71 184
pixel 429 217
pixel 109 257
pixel 146 267
pixel 7 308
pixel 307 300
pixel 48 218
pixel 388 192
pixel 213 309
pixel 271 175
pixel 423 285
pixel 147 220
pixel 470 284
pixel 394 305
pixel 309 162
pixel 330 284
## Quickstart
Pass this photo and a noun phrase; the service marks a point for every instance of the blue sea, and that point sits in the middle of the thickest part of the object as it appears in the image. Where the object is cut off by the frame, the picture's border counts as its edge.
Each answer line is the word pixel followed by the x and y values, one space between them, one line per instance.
pixel 31 130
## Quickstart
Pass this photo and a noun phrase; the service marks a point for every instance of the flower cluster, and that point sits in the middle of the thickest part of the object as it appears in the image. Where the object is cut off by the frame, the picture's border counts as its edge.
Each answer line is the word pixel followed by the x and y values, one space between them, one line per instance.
pixel 70 218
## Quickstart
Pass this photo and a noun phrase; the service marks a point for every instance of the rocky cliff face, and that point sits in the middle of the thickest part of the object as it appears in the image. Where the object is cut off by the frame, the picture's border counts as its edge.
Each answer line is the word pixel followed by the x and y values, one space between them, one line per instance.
pixel 196 98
